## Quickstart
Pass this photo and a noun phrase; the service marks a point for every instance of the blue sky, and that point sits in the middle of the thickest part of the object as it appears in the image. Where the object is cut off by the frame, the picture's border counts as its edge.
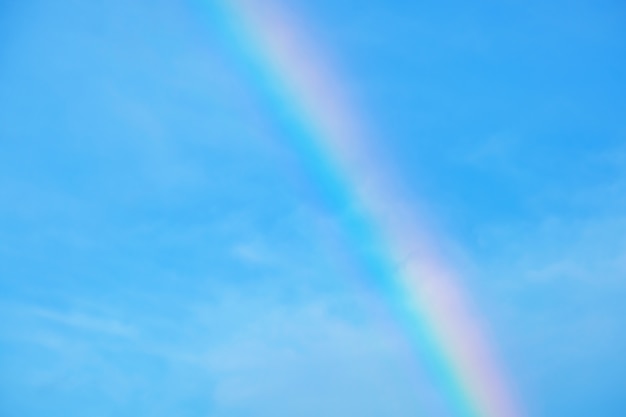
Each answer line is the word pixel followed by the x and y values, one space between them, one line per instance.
pixel 164 251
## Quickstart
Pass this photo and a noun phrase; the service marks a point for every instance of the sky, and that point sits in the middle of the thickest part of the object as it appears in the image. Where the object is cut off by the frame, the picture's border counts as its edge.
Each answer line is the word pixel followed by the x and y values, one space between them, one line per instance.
pixel 167 247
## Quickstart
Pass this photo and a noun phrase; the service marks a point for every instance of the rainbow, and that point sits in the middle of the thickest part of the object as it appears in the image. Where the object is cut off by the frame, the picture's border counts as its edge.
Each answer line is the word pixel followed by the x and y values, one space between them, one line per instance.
pixel 425 295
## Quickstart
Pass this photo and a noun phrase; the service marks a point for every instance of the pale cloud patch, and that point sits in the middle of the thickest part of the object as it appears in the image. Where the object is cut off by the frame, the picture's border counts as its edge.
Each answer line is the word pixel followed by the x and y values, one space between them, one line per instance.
pixel 253 252
pixel 498 153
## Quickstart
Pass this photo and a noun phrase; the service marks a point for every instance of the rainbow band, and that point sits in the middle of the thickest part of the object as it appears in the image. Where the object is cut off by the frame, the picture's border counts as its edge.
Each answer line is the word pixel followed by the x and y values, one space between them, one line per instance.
pixel 430 303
